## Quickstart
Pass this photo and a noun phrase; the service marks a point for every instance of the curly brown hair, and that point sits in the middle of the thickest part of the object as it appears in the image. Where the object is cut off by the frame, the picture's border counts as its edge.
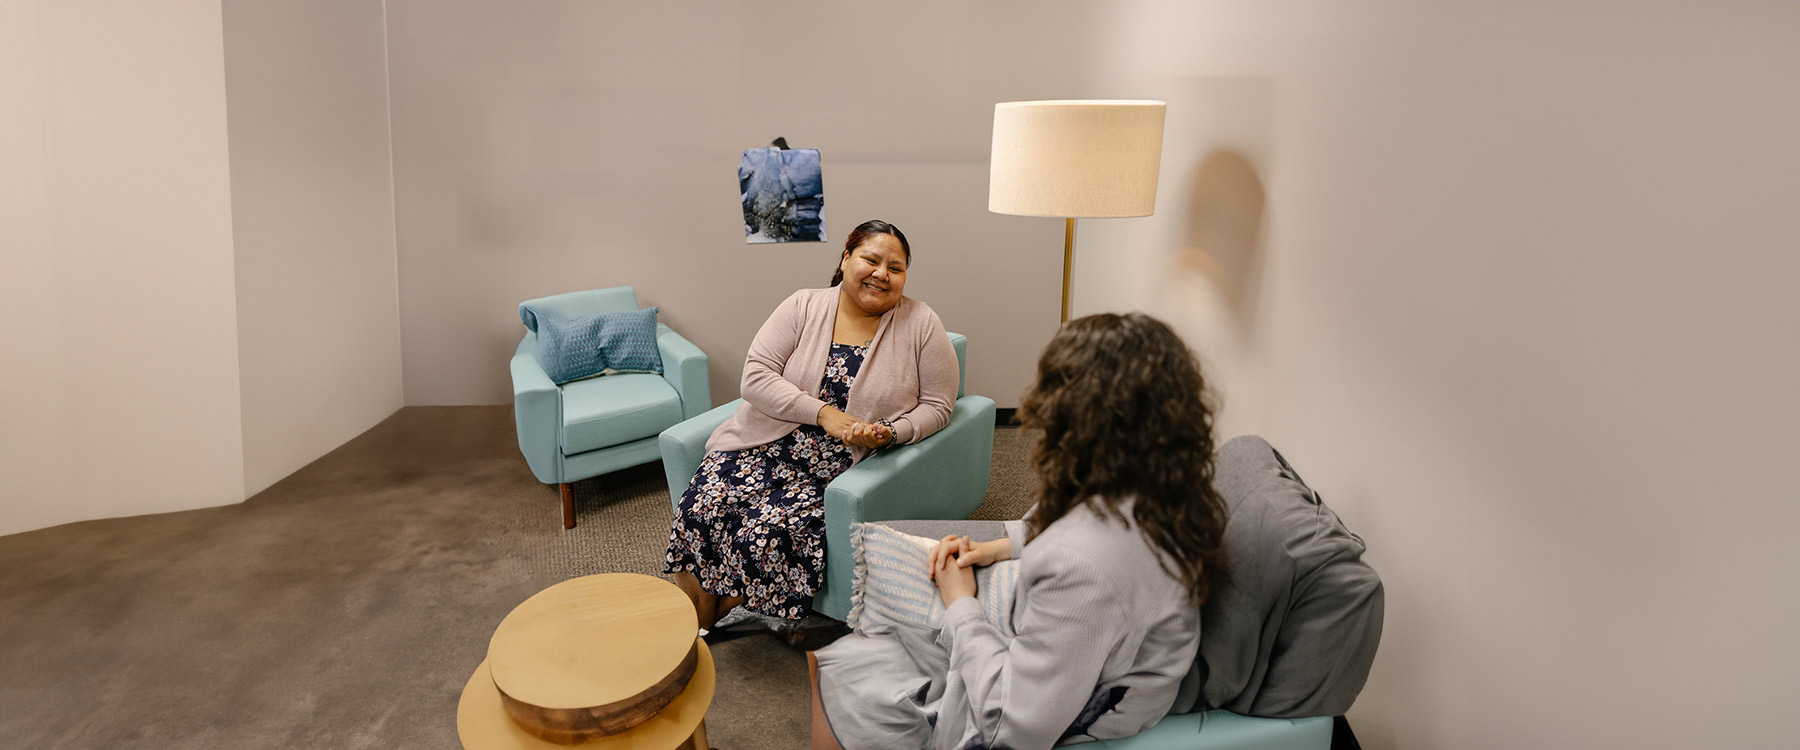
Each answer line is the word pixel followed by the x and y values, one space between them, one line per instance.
pixel 1124 413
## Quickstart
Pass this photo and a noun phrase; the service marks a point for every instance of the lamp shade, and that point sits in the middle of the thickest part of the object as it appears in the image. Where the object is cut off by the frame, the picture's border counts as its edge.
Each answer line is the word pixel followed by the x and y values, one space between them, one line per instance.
pixel 1086 158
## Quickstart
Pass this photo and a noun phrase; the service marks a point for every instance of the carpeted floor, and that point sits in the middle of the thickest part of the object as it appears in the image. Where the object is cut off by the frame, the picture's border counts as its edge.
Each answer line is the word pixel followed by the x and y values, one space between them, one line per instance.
pixel 345 606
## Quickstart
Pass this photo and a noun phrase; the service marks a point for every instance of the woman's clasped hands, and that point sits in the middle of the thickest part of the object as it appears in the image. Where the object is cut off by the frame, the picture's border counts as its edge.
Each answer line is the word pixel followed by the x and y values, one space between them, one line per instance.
pixel 854 431
pixel 952 563
pixel 871 436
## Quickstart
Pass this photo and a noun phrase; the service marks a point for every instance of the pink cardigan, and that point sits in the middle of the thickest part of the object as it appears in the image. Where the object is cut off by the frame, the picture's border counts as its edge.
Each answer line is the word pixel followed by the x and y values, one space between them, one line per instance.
pixel 908 375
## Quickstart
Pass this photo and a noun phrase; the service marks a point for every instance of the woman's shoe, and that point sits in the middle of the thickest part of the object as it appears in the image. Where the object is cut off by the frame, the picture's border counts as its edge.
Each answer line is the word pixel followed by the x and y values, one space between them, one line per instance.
pixel 812 633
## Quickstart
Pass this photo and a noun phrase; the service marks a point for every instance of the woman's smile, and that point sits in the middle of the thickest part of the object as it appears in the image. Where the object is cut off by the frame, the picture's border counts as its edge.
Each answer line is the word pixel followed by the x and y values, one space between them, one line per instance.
pixel 878 267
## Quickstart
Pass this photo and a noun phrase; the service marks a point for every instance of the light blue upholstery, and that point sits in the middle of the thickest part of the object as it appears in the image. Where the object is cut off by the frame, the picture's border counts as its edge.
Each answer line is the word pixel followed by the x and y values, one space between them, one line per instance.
pixel 1223 730
pixel 591 427
pixel 942 476
pixel 610 299
pixel 616 409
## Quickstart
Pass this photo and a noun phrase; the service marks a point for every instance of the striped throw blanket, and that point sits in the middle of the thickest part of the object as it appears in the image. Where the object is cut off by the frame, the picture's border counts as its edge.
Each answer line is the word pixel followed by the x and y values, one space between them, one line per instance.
pixel 891 585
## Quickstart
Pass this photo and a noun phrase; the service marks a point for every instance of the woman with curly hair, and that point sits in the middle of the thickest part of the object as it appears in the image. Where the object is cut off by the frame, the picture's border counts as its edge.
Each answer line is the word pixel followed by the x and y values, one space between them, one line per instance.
pixel 1122 547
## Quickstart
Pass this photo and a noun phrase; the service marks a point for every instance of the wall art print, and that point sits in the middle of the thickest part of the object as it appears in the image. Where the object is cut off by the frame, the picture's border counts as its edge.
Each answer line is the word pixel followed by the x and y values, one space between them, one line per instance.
pixel 784 195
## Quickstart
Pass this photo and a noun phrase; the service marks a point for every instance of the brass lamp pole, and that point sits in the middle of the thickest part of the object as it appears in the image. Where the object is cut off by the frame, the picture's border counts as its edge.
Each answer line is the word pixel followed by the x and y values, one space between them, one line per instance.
pixel 1068 263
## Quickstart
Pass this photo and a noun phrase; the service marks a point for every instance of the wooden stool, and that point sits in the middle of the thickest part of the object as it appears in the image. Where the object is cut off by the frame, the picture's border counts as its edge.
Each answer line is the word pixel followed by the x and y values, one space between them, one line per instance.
pixel 603 661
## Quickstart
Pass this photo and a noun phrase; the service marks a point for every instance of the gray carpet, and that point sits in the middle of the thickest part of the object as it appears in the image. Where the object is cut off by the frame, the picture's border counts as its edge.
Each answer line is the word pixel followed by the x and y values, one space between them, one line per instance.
pixel 345 606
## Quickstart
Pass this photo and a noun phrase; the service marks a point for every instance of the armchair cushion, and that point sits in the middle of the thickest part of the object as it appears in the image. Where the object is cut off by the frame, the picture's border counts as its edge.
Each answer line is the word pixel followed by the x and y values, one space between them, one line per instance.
pixel 614 410
pixel 571 347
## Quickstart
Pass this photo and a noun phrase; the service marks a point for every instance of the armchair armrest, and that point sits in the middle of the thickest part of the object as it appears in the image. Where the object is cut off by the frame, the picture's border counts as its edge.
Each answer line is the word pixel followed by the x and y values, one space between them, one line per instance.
pixel 537 412
pixel 1216 730
pixel 684 366
pixel 944 476
pixel 684 447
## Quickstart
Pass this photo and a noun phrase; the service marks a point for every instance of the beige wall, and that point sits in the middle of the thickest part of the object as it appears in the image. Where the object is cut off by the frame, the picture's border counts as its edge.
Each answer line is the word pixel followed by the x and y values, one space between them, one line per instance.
pixel 1504 279
pixel 551 147
pixel 118 350
pixel 1508 282
pixel 312 214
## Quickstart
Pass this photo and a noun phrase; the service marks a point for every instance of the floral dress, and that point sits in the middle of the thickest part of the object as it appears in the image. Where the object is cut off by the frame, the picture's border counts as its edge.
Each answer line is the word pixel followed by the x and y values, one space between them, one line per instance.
pixel 752 521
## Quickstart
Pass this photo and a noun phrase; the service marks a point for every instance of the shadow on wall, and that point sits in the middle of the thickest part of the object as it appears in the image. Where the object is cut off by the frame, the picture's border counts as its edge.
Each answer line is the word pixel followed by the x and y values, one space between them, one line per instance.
pixel 1222 241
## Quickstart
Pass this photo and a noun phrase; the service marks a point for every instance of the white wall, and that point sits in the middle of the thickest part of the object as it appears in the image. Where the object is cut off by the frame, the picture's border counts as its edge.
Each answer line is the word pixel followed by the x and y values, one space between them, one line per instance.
pixel 193 309
pixel 1508 282
pixel 313 218
pixel 118 350
pixel 551 147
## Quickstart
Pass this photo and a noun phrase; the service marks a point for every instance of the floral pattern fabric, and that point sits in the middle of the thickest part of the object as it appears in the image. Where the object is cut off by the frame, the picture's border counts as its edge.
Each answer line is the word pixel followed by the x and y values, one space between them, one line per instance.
pixel 752 522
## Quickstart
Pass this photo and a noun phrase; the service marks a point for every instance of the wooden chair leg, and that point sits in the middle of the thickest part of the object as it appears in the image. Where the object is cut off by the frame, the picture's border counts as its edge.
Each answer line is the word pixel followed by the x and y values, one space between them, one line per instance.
pixel 568 498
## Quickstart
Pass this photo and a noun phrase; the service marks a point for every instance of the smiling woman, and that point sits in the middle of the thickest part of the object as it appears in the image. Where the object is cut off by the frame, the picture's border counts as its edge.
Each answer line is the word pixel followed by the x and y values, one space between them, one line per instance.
pixel 871 277
pixel 833 375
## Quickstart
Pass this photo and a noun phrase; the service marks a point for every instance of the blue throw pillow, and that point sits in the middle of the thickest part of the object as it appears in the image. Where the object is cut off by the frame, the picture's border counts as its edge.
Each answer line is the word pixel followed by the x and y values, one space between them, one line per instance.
pixel 580 346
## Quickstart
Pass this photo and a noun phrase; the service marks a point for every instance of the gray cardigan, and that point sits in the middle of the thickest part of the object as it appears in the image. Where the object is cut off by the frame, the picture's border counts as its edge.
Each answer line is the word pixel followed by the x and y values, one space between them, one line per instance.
pixel 1292 633
pixel 1104 638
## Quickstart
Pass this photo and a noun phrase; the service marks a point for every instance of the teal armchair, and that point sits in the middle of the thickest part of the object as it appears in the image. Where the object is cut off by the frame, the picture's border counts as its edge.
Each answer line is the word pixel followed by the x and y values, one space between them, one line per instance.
pixel 944 476
pixel 586 428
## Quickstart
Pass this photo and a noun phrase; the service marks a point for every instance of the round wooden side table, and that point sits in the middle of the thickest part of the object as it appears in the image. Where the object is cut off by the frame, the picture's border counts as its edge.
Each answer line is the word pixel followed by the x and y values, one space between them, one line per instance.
pixel 602 661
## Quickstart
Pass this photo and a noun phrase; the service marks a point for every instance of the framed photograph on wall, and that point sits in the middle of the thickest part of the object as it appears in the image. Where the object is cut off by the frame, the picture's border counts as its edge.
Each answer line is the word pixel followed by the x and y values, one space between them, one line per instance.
pixel 783 194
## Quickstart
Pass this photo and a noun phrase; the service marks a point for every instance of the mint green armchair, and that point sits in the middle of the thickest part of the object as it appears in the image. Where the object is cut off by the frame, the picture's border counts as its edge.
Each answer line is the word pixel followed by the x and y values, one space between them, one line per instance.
pixel 586 428
pixel 944 476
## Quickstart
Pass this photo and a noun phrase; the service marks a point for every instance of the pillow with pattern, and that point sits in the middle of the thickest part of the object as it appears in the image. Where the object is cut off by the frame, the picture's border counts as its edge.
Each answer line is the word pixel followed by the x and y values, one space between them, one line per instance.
pixel 581 346
pixel 890 584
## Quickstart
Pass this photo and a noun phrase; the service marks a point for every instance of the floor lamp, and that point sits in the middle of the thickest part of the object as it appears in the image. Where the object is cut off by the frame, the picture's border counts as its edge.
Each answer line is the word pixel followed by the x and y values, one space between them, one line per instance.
pixel 1078 158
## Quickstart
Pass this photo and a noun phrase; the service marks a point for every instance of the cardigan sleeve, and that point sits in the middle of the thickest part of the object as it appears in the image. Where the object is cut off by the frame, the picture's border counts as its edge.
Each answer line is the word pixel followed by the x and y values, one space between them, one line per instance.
pixel 938 375
pixel 763 385
pixel 1025 693
pixel 1015 533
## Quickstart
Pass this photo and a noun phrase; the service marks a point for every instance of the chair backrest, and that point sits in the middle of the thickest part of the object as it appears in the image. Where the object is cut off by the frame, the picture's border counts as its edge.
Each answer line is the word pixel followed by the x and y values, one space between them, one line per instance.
pixel 1294 631
pixel 611 299
pixel 961 343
